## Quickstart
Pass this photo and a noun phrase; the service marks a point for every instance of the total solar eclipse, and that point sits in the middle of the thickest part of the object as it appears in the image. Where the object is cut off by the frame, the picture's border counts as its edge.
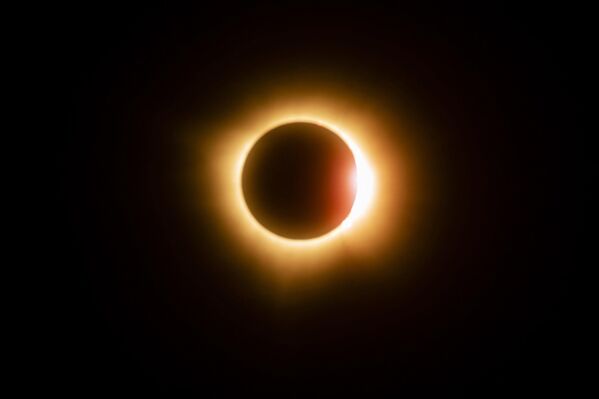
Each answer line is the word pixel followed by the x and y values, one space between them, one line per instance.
pixel 272 197
pixel 299 180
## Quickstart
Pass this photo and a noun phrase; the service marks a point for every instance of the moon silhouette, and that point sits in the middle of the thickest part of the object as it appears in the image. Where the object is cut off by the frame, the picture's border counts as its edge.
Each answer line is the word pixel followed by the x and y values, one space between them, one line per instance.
pixel 299 180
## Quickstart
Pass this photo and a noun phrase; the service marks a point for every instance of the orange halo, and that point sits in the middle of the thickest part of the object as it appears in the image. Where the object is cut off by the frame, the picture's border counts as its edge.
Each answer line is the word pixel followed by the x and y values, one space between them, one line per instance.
pixel 372 218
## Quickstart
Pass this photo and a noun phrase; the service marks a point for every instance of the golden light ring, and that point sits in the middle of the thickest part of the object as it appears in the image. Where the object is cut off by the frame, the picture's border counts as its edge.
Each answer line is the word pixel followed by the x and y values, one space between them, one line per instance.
pixel 364 238
pixel 364 180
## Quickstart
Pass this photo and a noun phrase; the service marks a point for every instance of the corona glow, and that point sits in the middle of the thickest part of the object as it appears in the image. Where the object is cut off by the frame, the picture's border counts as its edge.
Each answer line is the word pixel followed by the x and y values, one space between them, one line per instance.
pixel 379 177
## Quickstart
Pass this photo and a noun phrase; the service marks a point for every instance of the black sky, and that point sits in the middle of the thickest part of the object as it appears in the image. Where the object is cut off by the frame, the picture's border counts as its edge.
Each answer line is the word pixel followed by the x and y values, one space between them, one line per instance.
pixel 155 306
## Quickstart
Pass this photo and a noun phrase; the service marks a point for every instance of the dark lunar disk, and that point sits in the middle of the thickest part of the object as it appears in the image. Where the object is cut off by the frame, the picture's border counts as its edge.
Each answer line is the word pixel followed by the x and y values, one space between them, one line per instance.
pixel 298 180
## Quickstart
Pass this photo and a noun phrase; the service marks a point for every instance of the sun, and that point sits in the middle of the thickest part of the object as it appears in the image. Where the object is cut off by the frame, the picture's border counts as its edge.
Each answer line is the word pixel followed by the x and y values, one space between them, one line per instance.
pixel 373 220
pixel 364 180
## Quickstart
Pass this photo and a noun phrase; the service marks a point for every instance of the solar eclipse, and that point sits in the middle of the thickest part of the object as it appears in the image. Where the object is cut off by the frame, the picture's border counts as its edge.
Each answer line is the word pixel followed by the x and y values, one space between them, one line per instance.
pixel 299 180
pixel 291 196
pixel 307 180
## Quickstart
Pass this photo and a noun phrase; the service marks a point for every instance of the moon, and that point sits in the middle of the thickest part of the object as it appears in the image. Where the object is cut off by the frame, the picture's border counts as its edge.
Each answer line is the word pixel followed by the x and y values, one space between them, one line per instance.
pixel 299 180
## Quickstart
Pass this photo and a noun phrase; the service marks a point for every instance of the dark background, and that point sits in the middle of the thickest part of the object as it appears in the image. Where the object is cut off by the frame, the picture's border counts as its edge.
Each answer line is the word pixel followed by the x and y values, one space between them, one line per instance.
pixel 153 307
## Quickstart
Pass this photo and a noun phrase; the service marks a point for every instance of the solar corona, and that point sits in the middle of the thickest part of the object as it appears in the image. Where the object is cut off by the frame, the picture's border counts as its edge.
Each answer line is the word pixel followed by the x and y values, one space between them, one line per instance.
pixel 301 183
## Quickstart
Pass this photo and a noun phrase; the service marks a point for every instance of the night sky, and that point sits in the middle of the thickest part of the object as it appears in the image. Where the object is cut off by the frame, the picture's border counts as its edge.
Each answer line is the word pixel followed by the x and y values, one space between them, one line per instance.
pixel 161 300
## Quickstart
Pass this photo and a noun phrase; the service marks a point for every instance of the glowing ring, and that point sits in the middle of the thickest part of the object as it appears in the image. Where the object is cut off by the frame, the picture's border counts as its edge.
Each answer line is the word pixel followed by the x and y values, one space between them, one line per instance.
pixel 364 180
pixel 220 150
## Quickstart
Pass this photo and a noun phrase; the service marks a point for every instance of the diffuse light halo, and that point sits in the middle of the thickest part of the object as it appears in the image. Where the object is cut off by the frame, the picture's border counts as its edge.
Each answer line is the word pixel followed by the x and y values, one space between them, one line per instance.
pixel 379 201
